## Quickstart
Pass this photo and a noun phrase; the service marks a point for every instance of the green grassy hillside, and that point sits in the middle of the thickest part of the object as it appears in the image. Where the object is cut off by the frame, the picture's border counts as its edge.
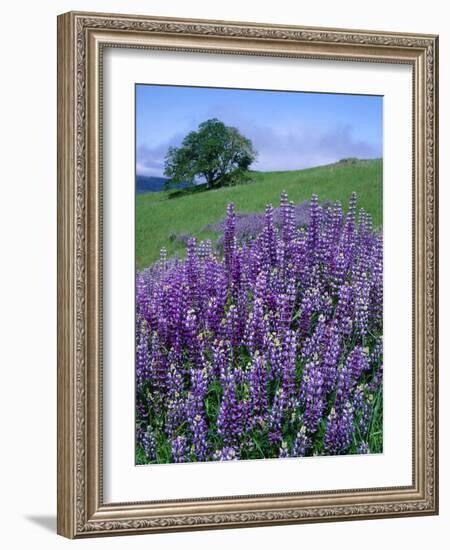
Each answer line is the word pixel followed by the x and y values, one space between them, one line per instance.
pixel 159 219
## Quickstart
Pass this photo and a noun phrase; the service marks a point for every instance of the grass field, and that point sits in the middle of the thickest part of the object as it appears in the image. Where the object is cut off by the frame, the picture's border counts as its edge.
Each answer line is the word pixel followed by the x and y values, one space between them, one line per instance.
pixel 159 219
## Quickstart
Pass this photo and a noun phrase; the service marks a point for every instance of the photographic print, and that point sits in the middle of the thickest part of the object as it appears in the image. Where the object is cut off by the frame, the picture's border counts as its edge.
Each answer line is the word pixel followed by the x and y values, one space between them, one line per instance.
pixel 259 290
pixel 247 274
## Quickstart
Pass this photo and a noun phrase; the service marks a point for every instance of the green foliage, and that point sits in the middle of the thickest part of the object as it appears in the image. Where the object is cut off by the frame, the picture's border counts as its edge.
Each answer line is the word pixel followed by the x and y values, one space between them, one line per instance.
pixel 217 153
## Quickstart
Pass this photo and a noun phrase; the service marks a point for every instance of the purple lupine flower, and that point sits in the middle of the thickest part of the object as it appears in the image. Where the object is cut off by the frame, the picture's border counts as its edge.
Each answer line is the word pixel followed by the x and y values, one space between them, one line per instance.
pixel 309 305
pixel 289 363
pixel 143 307
pixel 312 394
pixel 349 234
pixel 301 443
pixel 376 303
pixel 277 412
pixel 199 387
pixel 256 323
pixel 339 431
pixel 362 405
pixel 365 415
pixel 377 380
pixel 205 250
pixel 175 404
pixel 331 354
pixel 149 444
pixel 269 237
pixel 363 448
pixel 274 437
pixel 376 356
pixel 226 453
pixel 199 437
pixel 179 449
pixel 232 327
pixel 275 354
pixel 358 397
pixel 142 354
pixel 221 359
pixel 175 380
pixel 176 412
pixel 213 315
pixel 362 305
pixel 140 431
pixel 191 336
pixel 358 361
pixel 158 365
pixel 230 421
pixel 229 238
pixel 286 306
pixel 258 385
pixel 192 271
pixel 313 345
pixel 287 218
pixel 283 451
pixel 350 373
pixel 338 271
pixel 314 228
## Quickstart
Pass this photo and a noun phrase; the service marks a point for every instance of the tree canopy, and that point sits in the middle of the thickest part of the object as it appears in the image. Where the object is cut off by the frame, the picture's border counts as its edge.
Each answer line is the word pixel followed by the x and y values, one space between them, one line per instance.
pixel 216 153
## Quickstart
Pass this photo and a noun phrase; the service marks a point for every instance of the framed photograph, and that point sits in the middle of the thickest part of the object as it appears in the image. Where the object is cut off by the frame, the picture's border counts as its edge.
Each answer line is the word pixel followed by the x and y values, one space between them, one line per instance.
pixel 247 274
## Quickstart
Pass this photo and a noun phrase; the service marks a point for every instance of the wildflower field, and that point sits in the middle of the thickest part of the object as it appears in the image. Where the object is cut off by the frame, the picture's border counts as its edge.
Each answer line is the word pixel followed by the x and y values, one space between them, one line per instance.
pixel 265 342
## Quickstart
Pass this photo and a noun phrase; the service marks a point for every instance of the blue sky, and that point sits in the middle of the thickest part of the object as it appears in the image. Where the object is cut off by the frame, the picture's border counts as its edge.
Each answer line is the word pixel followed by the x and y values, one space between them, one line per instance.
pixel 289 130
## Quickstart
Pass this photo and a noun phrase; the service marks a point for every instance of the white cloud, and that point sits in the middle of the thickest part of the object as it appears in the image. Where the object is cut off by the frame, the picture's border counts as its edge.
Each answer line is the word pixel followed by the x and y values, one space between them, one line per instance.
pixel 278 148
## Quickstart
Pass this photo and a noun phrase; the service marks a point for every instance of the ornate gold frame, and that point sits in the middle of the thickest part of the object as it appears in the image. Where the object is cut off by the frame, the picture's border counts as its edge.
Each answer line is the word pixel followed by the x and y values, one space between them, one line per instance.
pixel 81 37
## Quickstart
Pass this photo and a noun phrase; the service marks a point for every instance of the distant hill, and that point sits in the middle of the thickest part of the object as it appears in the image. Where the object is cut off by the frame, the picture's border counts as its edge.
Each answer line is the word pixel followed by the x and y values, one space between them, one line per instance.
pixel 161 218
pixel 152 184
